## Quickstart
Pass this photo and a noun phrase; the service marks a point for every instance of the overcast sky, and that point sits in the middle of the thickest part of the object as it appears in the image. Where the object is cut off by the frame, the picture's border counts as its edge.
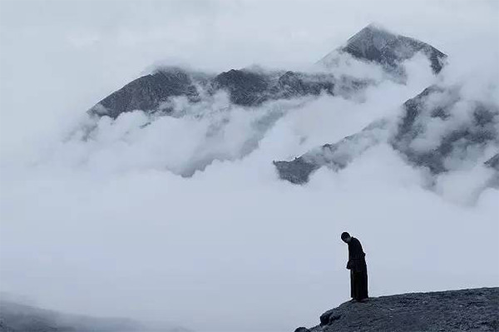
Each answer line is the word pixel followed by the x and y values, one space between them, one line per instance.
pixel 103 228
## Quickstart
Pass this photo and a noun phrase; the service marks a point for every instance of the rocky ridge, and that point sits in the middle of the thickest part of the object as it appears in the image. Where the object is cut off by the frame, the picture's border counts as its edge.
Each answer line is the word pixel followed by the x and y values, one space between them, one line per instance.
pixel 245 87
pixel 450 311
pixel 251 87
pixel 378 45
pixel 435 130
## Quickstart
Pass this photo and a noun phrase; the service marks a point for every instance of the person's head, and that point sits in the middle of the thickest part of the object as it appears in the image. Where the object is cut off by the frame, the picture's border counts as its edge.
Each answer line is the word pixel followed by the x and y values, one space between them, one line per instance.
pixel 346 237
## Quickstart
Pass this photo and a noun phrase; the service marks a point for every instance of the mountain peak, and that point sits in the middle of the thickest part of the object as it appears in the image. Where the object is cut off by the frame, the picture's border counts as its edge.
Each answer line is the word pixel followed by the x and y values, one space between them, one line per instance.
pixel 376 44
pixel 372 35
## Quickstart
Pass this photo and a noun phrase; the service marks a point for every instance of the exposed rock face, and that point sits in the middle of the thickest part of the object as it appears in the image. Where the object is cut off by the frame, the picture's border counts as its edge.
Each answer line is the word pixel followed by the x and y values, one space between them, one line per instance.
pixel 293 84
pixel 437 129
pixel 252 87
pixel 148 92
pixel 387 49
pixel 296 171
pixel 334 156
pixel 302 329
pixel 249 88
pixel 461 310
pixel 245 88
pixel 493 162
pixel 455 136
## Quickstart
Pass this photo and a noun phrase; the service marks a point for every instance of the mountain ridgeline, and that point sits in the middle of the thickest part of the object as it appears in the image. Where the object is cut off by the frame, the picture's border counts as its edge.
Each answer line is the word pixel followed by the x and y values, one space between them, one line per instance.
pixel 377 45
pixel 456 139
pixel 245 87
pixel 413 133
pixel 251 87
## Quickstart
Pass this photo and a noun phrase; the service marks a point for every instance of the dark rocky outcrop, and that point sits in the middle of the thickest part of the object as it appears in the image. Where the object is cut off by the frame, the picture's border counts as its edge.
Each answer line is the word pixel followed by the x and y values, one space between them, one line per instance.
pixel 493 162
pixel 293 84
pixel 451 311
pixel 456 137
pixel 302 329
pixel 378 45
pixel 245 88
pixel 248 87
pixel 148 92
pixel 334 156
pixel 419 111
pixel 296 171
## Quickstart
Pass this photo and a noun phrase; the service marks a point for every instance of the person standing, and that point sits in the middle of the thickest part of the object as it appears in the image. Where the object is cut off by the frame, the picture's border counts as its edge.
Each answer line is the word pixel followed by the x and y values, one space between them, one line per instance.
pixel 358 268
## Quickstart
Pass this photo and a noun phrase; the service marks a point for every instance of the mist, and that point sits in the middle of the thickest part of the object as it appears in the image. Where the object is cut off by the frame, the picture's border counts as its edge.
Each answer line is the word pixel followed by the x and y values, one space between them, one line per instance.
pixel 183 218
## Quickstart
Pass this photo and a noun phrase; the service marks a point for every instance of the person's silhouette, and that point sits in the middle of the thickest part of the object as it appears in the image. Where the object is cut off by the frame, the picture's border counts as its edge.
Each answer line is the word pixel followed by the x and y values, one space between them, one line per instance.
pixel 357 266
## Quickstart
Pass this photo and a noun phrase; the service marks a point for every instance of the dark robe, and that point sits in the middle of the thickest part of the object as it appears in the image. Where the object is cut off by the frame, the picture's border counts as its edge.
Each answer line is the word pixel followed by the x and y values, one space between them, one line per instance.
pixel 358 270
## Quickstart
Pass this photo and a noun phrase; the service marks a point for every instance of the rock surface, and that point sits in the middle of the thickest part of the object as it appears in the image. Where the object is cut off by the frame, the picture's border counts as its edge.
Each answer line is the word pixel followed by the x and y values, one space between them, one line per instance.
pixel 245 87
pixel 334 156
pixel 450 311
pixel 435 148
pixel 148 92
pixel 493 162
pixel 378 45
pixel 250 87
pixel 436 130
